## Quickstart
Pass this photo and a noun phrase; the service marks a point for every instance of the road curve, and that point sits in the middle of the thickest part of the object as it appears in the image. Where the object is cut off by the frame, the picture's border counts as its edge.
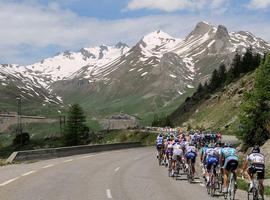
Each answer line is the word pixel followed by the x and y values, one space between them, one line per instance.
pixel 131 174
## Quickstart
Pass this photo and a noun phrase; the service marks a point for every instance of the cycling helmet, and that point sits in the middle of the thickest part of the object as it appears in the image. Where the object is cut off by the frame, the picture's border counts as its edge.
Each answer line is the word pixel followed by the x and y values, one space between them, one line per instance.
pixel 227 144
pixel 206 145
pixel 176 140
pixel 211 145
pixel 160 135
pixel 256 149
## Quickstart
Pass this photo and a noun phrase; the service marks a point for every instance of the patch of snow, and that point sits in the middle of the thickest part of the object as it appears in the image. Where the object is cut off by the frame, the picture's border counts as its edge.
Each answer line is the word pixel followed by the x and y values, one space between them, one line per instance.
pixel 143 74
pixel 180 92
pixel 173 76
pixel 210 44
pixel 131 69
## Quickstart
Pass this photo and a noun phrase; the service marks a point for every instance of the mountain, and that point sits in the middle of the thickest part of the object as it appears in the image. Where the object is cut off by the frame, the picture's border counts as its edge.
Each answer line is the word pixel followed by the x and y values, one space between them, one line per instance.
pixel 154 75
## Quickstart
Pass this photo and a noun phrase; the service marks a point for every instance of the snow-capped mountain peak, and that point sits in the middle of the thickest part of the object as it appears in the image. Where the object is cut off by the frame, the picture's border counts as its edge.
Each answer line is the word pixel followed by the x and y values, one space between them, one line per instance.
pixel 157 43
pixel 67 63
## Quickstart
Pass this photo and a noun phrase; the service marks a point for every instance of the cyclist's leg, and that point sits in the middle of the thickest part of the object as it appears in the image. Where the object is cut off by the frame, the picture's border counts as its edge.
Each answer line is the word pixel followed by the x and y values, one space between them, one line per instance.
pixel 261 187
pixel 174 158
pixel 250 173
pixel 261 176
pixel 193 161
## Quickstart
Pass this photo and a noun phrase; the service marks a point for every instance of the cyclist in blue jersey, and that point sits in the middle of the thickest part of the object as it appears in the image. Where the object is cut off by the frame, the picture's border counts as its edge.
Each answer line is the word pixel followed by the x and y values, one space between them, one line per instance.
pixel 229 161
pixel 159 144
pixel 212 160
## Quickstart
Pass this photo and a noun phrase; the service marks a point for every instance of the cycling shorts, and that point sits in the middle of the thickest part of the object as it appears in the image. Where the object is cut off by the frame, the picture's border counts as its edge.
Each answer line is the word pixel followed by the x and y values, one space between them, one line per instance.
pixel 169 151
pixel 191 156
pixel 257 168
pixel 176 157
pixel 231 163
pixel 159 146
pixel 211 161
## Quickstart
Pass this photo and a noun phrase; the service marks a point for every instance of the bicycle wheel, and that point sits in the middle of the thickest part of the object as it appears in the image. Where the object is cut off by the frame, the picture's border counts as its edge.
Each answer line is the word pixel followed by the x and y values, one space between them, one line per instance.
pixel 232 189
pixel 189 175
pixel 255 194
pixel 159 158
pixel 170 168
pixel 214 183
pixel 220 182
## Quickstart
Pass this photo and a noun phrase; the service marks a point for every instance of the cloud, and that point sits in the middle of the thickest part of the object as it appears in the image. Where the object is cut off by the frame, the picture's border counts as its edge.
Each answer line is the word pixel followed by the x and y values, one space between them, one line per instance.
pixel 259 4
pixel 174 5
pixel 31 32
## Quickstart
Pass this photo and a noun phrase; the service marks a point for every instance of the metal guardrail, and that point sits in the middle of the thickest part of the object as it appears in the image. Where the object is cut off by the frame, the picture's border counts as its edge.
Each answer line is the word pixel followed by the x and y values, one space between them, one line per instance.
pixel 42 154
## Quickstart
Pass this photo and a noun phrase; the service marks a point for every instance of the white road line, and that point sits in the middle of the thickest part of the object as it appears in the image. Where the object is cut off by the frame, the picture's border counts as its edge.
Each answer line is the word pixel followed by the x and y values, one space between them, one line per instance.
pixel 68 160
pixel 109 194
pixel 116 169
pixel 28 173
pixel 9 181
pixel 88 156
pixel 47 166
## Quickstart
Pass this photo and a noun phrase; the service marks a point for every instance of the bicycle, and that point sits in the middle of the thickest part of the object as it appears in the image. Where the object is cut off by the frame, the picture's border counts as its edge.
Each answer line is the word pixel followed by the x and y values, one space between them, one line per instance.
pixel 160 157
pixel 190 176
pixel 220 179
pixel 230 194
pixel 170 165
pixel 213 183
pixel 254 193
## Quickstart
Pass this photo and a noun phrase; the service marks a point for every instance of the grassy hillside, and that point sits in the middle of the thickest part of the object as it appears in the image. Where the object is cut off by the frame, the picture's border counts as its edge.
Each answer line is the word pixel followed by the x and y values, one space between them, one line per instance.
pixel 218 110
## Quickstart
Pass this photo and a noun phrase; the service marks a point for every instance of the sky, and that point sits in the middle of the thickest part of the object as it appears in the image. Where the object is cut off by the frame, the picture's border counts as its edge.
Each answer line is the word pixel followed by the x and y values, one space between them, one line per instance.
pixel 32 30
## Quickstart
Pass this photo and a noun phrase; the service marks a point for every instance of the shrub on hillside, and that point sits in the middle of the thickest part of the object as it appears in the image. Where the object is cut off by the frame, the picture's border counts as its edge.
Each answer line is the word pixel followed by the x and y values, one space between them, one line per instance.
pixel 21 139
pixel 255 112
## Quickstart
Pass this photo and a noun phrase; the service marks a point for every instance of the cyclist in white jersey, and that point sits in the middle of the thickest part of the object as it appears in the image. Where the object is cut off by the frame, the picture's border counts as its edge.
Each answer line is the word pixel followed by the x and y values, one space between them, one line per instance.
pixel 191 154
pixel 255 163
pixel 177 154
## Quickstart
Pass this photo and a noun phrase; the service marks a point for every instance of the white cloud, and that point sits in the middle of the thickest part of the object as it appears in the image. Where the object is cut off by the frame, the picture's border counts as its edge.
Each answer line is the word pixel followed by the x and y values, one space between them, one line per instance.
pixel 259 4
pixel 174 5
pixel 29 30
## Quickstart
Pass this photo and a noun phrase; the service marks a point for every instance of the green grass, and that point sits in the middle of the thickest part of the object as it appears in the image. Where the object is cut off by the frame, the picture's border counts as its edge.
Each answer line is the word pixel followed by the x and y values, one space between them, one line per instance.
pixel 243 185
pixel 267 173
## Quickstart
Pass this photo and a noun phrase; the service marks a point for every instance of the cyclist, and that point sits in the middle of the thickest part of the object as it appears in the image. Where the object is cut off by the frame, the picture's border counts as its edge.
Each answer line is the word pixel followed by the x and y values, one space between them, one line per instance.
pixel 254 163
pixel 159 144
pixel 212 159
pixel 191 154
pixel 177 155
pixel 169 149
pixel 203 158
pixel 229 161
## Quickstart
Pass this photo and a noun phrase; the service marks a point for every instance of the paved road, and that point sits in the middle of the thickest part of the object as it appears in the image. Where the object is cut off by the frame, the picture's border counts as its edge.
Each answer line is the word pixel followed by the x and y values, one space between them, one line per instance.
pixel 123 175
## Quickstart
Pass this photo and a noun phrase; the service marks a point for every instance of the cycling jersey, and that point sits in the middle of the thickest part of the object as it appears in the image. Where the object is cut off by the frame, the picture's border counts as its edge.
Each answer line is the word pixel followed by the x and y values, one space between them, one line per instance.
pixel 257 158
pixel 231 158
pixel 217 151
pixel 191 149
pixel 169 147
pixel 229 153
pixel 159 141
pixel 177 150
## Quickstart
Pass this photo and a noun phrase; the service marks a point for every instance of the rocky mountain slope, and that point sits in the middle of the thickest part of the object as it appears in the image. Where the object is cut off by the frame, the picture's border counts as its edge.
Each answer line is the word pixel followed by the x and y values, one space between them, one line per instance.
pixel 154 75
pixel 219 110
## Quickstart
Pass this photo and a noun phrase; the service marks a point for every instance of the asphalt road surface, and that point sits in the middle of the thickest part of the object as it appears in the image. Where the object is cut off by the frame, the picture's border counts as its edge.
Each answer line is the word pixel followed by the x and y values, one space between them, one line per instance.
pixel 131 174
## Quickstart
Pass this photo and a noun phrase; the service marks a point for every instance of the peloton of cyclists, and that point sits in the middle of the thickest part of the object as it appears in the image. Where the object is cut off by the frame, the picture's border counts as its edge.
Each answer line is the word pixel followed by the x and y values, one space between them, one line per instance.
pixel 181 146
